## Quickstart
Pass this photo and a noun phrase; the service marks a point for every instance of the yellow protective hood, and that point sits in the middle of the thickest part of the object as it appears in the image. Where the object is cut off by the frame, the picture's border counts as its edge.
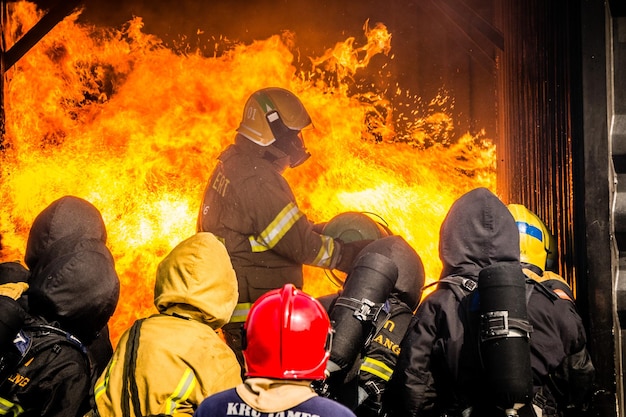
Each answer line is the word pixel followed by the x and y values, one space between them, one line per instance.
pixel 196 280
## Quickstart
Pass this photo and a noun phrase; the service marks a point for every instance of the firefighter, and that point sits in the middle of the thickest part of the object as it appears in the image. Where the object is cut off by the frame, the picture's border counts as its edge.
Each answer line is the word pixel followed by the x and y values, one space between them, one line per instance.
pixel 166 364
pixel 287 341
pixel 250 207
pixel 563 372
pixel 13 283
pixel 371 313
pixel 72 291
pixel 439 371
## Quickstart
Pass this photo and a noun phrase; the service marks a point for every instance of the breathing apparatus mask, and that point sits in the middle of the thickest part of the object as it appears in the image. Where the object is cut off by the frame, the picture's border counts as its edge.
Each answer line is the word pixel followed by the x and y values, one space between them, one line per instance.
pixel 288 141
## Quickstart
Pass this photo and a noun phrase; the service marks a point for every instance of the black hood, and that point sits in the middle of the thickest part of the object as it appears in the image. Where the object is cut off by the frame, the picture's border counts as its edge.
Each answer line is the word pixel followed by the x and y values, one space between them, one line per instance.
pixel 478 231
pixel 66 218
pixel 73 279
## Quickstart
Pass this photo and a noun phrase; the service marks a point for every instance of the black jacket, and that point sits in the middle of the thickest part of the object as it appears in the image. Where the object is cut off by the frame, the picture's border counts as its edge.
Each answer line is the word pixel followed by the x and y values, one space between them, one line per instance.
pixel 439 369
pixel 563 373
pixel 73 286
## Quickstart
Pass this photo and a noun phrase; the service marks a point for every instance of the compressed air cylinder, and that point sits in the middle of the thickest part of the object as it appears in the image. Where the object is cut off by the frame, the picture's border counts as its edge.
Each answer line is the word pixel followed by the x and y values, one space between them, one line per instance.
pixel 505 332
pixel 366 288
pixel 411 275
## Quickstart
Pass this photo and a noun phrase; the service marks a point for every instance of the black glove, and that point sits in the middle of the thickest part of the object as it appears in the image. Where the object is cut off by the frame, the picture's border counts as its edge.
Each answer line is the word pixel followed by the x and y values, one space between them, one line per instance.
pixel 349 252
pixel 13 272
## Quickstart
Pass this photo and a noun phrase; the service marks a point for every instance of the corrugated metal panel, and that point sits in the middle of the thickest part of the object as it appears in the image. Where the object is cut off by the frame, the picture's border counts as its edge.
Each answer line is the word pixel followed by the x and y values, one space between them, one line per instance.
pixel 535 148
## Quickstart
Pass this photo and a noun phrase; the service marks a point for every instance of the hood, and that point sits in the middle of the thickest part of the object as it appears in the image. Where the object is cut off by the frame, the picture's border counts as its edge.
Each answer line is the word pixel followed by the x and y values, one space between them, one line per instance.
pixel 73 279
pixel 66 218
pixel 478 231
pixel 196 279
pixel 79 289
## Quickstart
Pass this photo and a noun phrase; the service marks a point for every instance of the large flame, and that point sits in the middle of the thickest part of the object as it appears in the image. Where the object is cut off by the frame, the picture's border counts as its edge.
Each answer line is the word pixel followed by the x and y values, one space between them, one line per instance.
pixel 114 117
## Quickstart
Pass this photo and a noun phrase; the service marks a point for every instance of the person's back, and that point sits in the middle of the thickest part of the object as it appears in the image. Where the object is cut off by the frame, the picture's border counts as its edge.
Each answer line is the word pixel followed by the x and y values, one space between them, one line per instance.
pixel 439 369
pixel 67 225
pixel 168 363
pixel 73 291
pixel 370 317
pixel 287 336
pixel 563 372
pixel 53 373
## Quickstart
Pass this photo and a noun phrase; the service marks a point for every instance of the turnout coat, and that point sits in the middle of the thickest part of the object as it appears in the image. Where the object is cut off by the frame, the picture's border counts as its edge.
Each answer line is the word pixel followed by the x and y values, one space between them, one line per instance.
pixel 174 359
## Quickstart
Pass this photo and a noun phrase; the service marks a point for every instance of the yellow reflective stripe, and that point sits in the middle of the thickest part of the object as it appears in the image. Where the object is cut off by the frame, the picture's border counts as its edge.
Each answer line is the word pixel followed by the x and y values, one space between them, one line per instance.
pixel 7 408
pixel 101 386
pixel 240 313
pixel 276 229
pixel 378 368
pixel 325 255
pixel 181 393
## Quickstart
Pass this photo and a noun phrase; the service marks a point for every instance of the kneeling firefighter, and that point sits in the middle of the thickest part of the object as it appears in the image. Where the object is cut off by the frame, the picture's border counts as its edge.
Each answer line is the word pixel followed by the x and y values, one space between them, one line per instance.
pixel 371 312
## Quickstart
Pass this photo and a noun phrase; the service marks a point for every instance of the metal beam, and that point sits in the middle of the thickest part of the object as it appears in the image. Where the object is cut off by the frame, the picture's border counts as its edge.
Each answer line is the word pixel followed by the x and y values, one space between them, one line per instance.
pixel 41 28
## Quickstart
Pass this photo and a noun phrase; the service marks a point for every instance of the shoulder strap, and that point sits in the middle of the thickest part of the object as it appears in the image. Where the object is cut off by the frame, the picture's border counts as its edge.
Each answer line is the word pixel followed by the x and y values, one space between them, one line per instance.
pixel 26 347
pixel 541 288
pixel 460 286
pixel 43 331
pixel 130 394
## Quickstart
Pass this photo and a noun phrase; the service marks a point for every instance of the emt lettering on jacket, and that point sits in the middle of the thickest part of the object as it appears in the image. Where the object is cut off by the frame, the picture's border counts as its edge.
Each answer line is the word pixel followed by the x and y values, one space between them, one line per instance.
pixel 220 184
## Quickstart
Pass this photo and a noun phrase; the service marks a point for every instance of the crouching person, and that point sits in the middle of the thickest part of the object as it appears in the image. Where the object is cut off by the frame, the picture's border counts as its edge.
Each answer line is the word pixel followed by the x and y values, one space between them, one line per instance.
pixel 287 338
pixel 166 364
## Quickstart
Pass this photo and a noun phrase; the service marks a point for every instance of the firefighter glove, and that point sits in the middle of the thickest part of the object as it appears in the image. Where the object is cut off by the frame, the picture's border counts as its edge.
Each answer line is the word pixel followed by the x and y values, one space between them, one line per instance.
pixel 13 290
pixel 349 253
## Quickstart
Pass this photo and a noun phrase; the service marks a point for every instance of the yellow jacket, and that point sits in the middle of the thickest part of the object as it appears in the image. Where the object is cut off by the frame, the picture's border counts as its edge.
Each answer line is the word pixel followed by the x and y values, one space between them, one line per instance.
pixel 178 357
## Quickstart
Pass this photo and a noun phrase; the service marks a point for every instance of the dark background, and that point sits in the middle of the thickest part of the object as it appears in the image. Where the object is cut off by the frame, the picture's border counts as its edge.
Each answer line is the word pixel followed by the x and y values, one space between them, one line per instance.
pixel 429 53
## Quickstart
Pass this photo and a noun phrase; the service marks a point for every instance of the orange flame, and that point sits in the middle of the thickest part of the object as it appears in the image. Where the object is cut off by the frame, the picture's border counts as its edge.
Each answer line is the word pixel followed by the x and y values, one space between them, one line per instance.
pixel 116 118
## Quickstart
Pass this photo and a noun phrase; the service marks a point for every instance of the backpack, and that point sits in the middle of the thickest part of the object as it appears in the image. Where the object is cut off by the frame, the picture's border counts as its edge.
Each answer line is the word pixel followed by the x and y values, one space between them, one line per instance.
pixel 466 295
pixel 31 342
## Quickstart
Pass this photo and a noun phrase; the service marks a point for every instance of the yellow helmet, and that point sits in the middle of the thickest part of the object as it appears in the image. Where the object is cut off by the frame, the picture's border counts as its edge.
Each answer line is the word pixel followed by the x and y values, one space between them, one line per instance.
pixel 534 236
pixel 275 116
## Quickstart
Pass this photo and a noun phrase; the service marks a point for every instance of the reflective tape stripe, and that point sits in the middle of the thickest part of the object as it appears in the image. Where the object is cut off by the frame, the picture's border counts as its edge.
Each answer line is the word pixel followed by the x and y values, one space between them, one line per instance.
pixel 185 386
pixel 325 255
pixel 562 294
pixel 530 230
pixel 378 368
pixel 276 229
pixel 7 408
pixel 240 313
pixel 101 386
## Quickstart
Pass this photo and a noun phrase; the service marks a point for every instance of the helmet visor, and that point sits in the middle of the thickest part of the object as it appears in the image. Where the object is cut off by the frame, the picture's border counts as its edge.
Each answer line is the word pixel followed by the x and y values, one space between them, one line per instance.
pixel 288 140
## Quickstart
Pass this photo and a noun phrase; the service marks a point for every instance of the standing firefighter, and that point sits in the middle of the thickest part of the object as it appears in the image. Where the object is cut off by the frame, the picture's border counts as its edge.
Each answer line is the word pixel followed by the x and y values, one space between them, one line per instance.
pixel 563 373
pixel 251 208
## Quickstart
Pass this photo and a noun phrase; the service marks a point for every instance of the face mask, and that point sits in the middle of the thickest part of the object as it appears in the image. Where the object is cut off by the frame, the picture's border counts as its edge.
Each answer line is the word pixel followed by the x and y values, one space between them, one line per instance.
pixel 287 140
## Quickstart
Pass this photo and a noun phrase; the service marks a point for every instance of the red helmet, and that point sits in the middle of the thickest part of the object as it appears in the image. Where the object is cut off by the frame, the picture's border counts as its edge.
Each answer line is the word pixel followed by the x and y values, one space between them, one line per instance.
pixel 287 336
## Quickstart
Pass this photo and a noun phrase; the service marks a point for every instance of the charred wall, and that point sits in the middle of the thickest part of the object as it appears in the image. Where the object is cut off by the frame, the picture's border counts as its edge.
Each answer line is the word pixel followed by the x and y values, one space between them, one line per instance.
pixel 556 79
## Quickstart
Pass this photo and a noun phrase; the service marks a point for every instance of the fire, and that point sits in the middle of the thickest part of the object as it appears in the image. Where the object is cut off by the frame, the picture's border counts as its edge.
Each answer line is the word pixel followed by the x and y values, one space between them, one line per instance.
pixel 114 117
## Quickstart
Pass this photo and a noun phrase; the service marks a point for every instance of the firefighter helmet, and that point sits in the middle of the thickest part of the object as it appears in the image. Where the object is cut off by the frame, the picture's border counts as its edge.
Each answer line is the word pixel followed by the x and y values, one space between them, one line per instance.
pixel 275 116
pixel 534 236
pixel 287 335
pixel 352 226
pixel 553 253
